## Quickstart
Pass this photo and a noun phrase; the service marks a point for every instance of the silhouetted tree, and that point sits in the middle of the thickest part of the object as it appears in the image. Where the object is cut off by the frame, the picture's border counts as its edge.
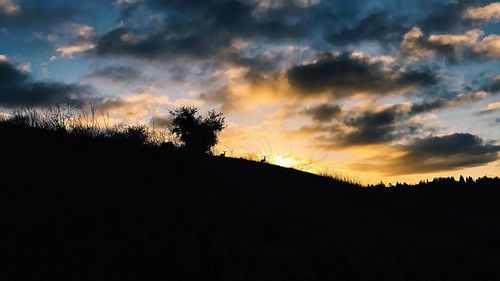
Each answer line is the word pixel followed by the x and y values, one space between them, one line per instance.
pixel 134 135
pixel 198 134
pixel 470 180
pixel 461 180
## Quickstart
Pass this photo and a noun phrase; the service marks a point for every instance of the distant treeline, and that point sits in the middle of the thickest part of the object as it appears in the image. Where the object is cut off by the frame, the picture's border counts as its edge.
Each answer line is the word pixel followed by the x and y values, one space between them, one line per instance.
pixel 444 182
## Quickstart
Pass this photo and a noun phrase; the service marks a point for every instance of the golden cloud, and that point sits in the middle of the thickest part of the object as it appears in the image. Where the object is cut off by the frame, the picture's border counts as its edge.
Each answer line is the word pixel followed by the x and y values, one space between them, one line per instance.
pixel 469 37
pixel 489 12
pixel 69 51
pixel 471 43
pixel 489 46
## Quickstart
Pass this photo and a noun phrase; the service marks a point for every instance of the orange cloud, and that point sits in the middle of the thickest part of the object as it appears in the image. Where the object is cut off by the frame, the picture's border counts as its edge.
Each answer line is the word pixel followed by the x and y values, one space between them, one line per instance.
pixel 489 12
pixel 70 50
pixel 471 43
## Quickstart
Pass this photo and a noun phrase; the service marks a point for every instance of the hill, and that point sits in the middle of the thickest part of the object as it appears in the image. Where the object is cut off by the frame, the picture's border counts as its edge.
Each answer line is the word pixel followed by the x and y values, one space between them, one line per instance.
pixel 79 208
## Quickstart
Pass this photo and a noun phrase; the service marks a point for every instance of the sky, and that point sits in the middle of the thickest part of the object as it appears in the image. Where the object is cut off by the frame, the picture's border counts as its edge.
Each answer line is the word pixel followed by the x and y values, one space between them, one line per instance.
pixel 373 91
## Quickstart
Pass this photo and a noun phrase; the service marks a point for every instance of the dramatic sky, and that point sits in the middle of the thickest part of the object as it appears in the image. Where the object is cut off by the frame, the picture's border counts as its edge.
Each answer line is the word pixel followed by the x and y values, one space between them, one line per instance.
pixel 386 90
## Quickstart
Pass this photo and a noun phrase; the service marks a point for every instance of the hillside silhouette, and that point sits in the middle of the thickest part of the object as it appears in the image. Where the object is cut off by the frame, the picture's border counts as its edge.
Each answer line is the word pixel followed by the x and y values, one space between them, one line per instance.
pixel 88 206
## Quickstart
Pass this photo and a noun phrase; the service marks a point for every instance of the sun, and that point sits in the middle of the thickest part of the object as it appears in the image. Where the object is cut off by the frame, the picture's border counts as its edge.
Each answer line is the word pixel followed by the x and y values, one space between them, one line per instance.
pixel 284 161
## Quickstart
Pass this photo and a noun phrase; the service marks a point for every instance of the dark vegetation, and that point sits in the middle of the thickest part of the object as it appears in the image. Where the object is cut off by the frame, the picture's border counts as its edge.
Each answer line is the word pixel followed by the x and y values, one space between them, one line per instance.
pixel 197 134
pixel 111 204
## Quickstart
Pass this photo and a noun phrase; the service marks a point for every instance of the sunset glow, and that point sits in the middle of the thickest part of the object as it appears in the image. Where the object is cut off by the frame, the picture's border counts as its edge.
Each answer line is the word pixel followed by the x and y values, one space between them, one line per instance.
pixel 348 87
pixel 285 161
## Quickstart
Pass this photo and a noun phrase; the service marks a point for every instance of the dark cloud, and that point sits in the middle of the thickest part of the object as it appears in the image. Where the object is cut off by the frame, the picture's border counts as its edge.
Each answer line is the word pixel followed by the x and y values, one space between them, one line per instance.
pixel 493 86
pixel 38 17
pixel 381 25
pixel 323 112
pixel 444 17
pixel 18 89
pixel 376 126
pixel 368 127
pixel 258 66
pixel 429 106
pixel 197 29
pixel 117 73
pixel 126 42
pixel 343 75
pixel 181 32
pixel 394 122
pixel 448 15
pixel 224 96
pixel 373 127
pixel 375 27
pixel 442 103
pixel 444 146
pixel 434 154
pixel 203 29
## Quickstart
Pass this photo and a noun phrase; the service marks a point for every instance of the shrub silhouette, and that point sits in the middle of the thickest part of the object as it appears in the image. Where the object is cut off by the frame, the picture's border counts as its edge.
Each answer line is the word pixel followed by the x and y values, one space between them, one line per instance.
pixel 198 134
pixel 53 118
pixel 133 134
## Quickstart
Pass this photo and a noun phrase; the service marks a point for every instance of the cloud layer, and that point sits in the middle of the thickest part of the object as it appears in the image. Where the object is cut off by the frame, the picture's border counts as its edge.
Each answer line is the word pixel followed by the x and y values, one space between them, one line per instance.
pixel 336 76
pixel 346 74
pixel 437 153
pixel 18 89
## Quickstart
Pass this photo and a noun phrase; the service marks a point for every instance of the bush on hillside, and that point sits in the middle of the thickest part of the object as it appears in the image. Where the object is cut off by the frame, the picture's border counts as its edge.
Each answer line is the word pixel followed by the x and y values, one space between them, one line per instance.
pixel 197 134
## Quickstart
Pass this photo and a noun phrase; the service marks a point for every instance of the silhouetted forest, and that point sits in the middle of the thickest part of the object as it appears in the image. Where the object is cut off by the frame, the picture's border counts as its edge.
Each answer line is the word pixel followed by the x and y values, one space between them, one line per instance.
pixel 448 182
pixel 91 203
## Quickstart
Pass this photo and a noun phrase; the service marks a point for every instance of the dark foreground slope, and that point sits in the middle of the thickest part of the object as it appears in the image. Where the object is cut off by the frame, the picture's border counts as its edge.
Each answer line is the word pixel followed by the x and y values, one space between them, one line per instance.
pixel 74 209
